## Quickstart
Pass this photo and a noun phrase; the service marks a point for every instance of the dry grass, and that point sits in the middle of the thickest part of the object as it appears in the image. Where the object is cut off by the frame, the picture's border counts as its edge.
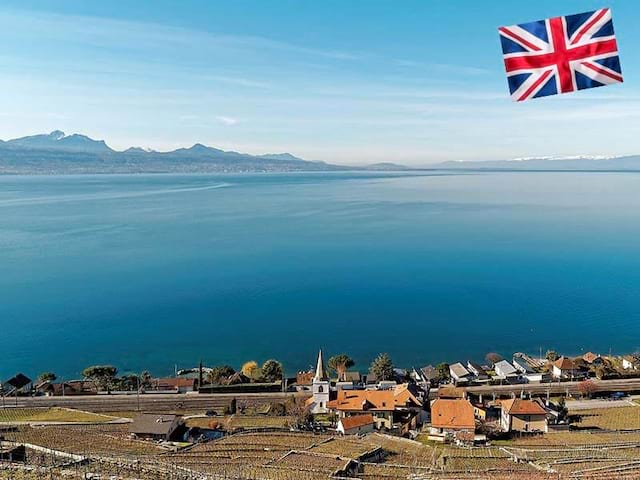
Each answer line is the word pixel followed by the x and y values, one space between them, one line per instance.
pixel 53 414
pixel 621 418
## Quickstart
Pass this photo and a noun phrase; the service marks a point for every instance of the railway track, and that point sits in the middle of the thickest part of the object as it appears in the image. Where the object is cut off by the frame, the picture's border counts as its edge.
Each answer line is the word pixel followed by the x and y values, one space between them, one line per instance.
pixel 147 402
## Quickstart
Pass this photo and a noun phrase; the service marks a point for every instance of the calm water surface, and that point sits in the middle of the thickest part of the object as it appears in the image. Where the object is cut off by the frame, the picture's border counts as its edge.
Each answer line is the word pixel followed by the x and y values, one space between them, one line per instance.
pixel 152 271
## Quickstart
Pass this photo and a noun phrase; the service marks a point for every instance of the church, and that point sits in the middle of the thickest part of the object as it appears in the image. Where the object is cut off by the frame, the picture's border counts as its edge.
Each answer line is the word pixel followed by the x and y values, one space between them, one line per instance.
pixel 321 388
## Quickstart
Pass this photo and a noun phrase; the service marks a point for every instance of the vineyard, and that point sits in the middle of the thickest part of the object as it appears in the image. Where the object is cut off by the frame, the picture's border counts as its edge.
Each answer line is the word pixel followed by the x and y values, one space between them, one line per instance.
pixel 622 418
pixel 100 451
pixel 53 415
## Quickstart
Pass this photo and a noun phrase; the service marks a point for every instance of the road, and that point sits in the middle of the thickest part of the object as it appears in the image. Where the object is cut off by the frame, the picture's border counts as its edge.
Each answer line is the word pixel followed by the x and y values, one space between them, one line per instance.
pixel 149 402
pixel 555 388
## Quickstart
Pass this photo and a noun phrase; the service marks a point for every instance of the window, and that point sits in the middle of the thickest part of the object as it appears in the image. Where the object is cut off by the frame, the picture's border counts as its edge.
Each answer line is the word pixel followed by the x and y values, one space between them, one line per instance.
pixel 320 389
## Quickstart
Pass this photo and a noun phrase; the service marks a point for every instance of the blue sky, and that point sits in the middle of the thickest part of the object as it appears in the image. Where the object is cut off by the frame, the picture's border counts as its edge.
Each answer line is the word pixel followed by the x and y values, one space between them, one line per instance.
pixel 342 81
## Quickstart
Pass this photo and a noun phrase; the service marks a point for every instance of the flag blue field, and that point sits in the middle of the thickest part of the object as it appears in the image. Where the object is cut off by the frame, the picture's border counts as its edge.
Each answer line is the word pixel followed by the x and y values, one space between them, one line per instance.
pixel 560 55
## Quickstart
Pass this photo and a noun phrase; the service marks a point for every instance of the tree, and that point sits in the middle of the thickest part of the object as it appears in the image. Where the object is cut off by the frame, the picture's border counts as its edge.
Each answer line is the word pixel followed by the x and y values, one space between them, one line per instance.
pixel 443 372
pixel 382 367
pixel 145 379
pixel 552 355
pixel 103 376
pixel 563 411
pixel 340 364
pixel 587 388
pixel 299 412
pixel 231 408
pixel 493 357
pixel 220 373
pixel 127 382
pixel 250 369
pixel 47 377
pixel 272 371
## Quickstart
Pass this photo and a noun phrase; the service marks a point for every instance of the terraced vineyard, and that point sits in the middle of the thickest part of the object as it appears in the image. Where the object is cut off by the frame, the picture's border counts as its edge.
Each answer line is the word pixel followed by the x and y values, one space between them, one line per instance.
pixel 621 418
pixel 109 439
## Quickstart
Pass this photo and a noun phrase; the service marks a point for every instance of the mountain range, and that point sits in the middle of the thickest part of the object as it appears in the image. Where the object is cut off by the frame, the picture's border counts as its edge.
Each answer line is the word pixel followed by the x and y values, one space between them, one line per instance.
pixel 57 153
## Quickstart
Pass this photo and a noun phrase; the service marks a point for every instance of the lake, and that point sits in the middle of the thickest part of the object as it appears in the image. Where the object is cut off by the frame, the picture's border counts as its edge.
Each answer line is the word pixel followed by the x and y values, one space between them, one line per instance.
pixel 153 271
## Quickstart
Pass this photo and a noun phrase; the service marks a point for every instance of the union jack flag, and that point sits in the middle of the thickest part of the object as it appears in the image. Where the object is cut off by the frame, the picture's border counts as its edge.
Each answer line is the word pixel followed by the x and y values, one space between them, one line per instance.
pixel 560 55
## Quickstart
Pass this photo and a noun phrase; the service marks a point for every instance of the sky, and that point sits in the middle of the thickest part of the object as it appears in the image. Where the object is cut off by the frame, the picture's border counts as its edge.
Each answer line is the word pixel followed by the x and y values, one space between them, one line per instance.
pixel 351 82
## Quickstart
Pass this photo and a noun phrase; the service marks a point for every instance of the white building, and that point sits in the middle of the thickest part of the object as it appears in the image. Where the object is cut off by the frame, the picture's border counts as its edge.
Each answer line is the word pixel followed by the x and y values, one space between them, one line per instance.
pixel 504 369
pixel 459 373
pixel 320 388
pixel 629 362
pixel 356 424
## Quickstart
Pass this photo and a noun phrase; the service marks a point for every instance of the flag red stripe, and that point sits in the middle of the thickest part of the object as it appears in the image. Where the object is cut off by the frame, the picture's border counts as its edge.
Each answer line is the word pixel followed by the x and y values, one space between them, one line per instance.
pixel 560 49
pixel 548 59
pixel 535 85
pixel 523 41
pixel 586 28
pixel 602 71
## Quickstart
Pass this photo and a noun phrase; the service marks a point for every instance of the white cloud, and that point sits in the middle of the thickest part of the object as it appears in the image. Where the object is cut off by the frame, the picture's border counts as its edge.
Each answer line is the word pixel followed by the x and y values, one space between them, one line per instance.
pixel 227 120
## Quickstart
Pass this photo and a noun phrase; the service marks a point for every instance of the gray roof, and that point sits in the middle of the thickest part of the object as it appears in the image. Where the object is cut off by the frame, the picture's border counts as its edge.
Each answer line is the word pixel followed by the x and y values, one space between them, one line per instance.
pixel 151 424
pixel 429 372
pixel 505 368
pixel 476 368
pixel 458 370
pixel 522 365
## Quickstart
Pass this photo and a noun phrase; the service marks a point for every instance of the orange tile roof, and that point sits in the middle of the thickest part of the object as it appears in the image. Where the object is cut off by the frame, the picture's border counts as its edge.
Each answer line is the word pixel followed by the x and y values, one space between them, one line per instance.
pixel 564 363
pixel 450 392
pixel 517 406
pixel 590 357
pixel 452 414
pixel 381 400
pixel 359 400
pixel 356 421
pixel 402 396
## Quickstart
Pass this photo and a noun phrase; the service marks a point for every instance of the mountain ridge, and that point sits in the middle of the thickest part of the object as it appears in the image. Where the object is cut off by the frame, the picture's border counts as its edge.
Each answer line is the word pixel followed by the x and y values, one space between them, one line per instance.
pixel 58 153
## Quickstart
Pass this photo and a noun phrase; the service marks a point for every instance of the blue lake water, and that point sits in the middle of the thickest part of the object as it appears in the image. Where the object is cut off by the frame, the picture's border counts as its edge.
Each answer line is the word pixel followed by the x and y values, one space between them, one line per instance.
pixel 150 271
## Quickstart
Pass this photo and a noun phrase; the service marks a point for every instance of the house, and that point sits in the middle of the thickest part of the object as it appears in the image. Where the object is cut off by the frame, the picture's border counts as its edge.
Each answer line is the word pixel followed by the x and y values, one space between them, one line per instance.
pixel 353 377
pixel 504 370
pixel 593 359
pixel 630 362
pixel 451 392
pixel 459 373
pixel 304 378
pixel 477 370
pixel 389 408
pixel 563 368
pixel 520 415
pixel 429 375
pixel 525 370
pixel 16 385
pixel 486 412
pixel 154 427
pixel 72 387
pixel 356 424
pixel 450 417
pixel 173 385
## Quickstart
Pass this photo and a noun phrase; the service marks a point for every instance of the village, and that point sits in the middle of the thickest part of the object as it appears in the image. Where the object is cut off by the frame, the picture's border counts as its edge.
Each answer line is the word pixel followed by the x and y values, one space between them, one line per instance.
pixel 466 418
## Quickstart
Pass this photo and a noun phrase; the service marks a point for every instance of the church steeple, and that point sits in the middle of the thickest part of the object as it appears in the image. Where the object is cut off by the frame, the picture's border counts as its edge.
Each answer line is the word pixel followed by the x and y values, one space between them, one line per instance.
pixel 321 373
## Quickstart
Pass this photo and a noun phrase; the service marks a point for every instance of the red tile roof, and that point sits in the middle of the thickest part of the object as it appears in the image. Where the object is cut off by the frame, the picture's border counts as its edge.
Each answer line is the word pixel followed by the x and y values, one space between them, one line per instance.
pixel 564 363
pixel 517 406
pixel 356 421
pixel 452 414
pixel 380 400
